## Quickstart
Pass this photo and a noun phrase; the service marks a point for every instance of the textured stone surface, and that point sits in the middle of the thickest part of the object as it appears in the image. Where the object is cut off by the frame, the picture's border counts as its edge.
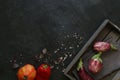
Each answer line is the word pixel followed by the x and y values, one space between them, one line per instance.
pixel 29 26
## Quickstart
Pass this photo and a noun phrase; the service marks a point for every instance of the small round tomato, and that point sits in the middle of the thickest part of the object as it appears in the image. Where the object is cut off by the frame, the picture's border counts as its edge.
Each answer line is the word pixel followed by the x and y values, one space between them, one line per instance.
pixel 43 72
pixel 27 72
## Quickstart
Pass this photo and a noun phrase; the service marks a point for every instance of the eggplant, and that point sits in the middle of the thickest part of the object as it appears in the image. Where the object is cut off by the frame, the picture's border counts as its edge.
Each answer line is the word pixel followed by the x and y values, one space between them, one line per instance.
pixel 103 46
pixel 95 64
pixel 82 72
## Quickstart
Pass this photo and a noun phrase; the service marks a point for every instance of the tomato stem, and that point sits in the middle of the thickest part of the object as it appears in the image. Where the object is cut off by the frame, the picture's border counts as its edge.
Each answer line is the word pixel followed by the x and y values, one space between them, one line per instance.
pixel 25 77
pixel 113 47
pixel 45 66
pixel 80 64
pixel 97 56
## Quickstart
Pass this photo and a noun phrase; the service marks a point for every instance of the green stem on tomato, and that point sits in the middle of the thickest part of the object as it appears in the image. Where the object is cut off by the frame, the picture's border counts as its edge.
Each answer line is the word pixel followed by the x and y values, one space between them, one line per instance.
pixel 80 65
pixel 97 56
pixel 25 77
pixel 113 47
pixel 45 66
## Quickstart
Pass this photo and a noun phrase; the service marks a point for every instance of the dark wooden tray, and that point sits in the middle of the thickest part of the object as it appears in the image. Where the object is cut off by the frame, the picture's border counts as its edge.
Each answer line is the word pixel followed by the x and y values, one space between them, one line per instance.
pixel 108 32
pixel 117 76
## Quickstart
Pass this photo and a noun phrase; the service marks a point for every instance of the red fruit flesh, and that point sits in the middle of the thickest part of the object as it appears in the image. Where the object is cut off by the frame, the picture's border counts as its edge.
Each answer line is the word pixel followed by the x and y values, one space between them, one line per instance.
pixel 101 46
pixel 84 75
pixel 82 72
pixel 41 78
pixel 27 72
pixel 95 64
pixel 43 72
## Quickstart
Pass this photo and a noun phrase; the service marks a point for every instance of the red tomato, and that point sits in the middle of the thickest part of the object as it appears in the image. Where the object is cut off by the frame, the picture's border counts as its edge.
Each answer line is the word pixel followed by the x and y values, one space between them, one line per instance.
pixel 43 72
pixel 27 72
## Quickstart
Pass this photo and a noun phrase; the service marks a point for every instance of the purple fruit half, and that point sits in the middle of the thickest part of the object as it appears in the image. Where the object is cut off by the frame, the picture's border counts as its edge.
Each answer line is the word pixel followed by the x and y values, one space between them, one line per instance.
pixel 95 64
pixel 82 72
pixel 103 46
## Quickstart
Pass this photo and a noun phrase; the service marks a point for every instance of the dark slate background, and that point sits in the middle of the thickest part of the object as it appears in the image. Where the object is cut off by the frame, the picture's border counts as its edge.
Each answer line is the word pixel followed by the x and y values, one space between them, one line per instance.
pixel 28 26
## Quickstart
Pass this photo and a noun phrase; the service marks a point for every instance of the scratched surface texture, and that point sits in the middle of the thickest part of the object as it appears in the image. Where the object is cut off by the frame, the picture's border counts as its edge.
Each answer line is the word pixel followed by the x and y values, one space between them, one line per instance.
pixel 49 31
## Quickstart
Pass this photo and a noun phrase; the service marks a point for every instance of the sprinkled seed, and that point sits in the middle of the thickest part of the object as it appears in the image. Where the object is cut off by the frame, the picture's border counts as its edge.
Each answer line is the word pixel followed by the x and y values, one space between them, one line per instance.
pixel 15 65
pixel 81 38
pixel 70 55
pixel 65 48
pixel 62 44
pixel 63 70
pixel 21 63
pixel 78 46
pixel 63 64
pixel 41 56
pixel 14 60
pixel 70 47
pixel 39 60
pixel 68 36
pixel 52 67
pixel 80 42
pixel 60 59
pixel 11 61
pixel 44 51
pixel 55 62
pixel 68 52
pixel 36 58
pixel 65 57
pixel 57 67
pixel 75 36
pixel 62 26
pixel 75 33
pixel 64 36
pixel 55 51
pixel 58 49
pixel 21 55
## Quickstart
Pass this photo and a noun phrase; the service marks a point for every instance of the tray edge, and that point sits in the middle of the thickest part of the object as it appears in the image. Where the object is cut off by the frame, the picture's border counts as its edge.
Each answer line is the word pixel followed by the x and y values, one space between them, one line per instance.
pixel 105 22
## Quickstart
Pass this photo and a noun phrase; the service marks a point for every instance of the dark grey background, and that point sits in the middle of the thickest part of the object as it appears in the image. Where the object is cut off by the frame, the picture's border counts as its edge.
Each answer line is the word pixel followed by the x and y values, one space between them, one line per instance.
pixel 28 26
